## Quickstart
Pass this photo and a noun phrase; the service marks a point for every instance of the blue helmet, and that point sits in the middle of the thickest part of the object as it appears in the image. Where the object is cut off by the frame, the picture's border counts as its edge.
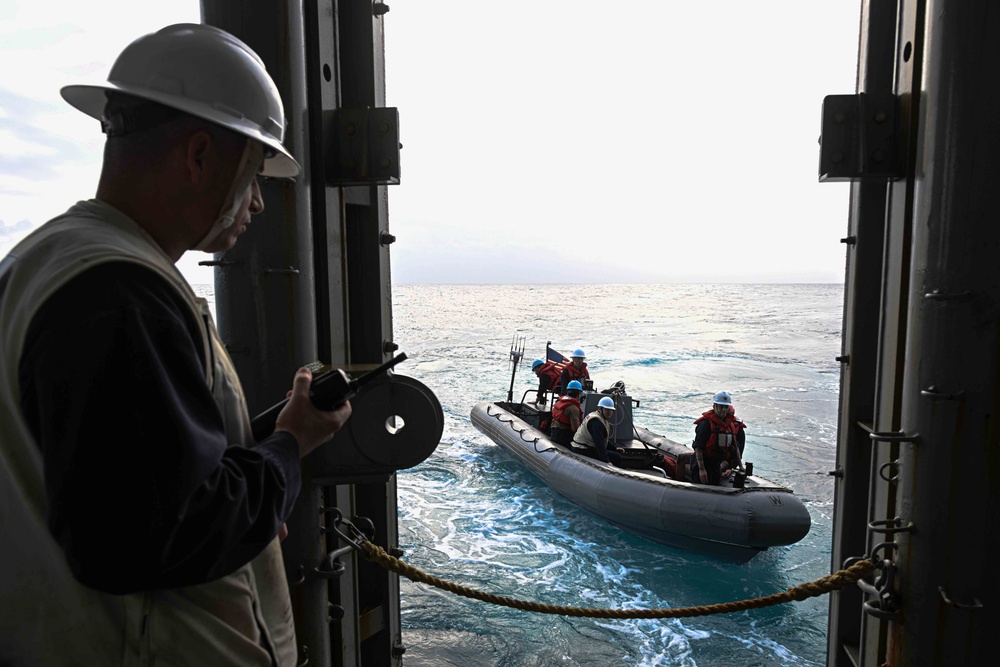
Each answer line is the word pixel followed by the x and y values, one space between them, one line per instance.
pixel 536 363
pixel 573 384
pixel 606 402
pixel 578 353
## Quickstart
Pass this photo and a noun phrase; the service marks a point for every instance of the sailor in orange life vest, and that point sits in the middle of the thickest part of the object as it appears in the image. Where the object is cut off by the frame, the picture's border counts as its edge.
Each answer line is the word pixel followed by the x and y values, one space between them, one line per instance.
pixel 719 439
pixel 548 378
pixel 566 414
pixel 593 438
pixel 576 370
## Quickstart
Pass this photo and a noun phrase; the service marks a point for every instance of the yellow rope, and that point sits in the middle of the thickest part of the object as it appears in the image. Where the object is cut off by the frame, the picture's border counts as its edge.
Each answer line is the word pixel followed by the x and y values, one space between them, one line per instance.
pixel 831 582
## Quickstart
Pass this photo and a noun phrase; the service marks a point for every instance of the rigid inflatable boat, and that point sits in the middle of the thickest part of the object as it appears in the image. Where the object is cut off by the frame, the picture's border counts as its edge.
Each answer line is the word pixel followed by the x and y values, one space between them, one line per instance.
pixel 650 495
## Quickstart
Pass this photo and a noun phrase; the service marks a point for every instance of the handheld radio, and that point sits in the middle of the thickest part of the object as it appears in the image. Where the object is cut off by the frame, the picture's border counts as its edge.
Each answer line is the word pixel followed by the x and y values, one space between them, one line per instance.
pixel 328 391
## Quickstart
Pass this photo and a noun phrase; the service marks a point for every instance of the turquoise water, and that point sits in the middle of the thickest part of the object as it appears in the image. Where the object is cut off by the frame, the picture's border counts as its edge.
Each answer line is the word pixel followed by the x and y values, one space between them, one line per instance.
pixel 473 515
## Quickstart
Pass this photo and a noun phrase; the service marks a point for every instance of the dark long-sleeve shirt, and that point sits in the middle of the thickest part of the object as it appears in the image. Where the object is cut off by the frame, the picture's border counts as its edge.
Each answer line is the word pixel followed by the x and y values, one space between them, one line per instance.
pixel 144 491
pixel 544 385
pixel 600 436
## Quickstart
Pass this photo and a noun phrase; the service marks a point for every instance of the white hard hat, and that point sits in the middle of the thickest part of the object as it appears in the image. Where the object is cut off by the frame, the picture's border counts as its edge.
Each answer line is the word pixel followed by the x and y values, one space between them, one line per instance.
pixel 723 398
pixel 203 71
pixel 606 402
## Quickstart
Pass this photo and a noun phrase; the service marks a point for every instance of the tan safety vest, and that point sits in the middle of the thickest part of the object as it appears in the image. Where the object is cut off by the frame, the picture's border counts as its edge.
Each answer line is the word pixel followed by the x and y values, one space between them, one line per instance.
pixel 46 617
pixel 582 435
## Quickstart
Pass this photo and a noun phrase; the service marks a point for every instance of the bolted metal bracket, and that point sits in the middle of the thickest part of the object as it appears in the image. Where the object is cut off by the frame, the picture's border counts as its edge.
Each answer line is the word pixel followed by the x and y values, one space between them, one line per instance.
pixel 362 146
pixel 858 140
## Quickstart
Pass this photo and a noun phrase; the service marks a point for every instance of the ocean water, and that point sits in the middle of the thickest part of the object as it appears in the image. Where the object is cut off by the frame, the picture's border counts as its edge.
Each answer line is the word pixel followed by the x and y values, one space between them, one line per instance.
pixel 473 515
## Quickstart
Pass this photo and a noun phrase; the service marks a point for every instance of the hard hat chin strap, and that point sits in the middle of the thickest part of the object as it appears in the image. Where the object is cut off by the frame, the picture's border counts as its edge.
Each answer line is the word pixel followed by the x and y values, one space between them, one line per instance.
pixel 250 161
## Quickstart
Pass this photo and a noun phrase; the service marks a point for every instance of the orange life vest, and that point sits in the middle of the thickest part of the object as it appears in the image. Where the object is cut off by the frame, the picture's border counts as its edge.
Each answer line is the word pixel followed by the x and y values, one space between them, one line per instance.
pixel 559 411
pixel 551 370
pixel 730 425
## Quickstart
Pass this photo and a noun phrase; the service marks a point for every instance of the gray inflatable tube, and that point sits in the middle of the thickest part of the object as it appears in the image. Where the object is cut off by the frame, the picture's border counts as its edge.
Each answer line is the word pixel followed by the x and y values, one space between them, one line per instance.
pixel 729 523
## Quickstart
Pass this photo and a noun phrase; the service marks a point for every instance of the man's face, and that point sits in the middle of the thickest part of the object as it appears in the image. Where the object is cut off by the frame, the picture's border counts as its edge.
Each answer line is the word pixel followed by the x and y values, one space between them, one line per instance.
pixel 251 204
pixel 720 410
pixel 578 361
pixel 237 165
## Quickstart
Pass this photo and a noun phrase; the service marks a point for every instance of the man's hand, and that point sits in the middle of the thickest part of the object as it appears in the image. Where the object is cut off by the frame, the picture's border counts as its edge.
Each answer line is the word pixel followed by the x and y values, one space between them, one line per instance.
pixel 310 425
pixel 703 474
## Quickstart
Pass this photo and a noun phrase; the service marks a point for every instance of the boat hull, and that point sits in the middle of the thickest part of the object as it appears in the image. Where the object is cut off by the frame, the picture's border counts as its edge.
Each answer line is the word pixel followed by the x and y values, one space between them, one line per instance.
pixel 721 521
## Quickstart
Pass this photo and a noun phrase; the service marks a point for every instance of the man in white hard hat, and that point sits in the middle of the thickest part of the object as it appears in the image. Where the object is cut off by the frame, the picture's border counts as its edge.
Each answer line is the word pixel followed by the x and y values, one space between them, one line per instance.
pixel 719 438
pixel 141 519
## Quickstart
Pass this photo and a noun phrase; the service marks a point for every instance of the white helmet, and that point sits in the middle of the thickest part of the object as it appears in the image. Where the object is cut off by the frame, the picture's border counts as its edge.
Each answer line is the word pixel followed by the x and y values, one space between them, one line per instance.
pixel 606 402
pixel 723 398
pixel 206 72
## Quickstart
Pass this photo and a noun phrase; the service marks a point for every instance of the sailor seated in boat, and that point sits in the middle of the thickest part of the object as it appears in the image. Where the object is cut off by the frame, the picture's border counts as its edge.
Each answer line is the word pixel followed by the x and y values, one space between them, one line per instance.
pixel 593 438
pixel 719 441
pixel 566 414
pixel 577 370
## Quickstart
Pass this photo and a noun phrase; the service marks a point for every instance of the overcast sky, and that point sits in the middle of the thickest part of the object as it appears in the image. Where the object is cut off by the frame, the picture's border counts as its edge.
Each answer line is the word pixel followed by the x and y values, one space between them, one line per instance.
pixel 543 142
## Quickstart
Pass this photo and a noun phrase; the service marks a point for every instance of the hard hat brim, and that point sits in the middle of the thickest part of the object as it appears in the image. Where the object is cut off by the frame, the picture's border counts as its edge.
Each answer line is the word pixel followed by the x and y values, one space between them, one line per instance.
pixel 92 99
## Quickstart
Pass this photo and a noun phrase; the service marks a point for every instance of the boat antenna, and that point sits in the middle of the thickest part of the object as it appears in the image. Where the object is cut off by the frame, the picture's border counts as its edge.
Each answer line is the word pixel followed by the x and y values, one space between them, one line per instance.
pixel 516 352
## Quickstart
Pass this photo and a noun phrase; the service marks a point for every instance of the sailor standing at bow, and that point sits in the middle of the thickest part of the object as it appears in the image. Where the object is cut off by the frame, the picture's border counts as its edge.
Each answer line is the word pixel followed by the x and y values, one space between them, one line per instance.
pixel 719 438
pixel 575 370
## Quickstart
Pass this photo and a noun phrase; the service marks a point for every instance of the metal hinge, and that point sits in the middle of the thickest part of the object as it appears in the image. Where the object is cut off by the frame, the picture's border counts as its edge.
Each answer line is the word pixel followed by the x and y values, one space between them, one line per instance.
pixel 362 146
pixel 859 138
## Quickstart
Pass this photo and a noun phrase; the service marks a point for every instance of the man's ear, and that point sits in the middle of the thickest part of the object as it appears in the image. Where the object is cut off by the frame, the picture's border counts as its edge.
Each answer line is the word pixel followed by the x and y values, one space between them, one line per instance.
pixel 197 149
